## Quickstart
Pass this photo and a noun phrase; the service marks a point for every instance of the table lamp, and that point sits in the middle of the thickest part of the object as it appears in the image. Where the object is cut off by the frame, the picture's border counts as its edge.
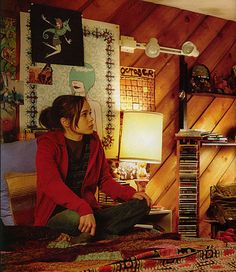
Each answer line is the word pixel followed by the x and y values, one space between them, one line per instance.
pixel 141 142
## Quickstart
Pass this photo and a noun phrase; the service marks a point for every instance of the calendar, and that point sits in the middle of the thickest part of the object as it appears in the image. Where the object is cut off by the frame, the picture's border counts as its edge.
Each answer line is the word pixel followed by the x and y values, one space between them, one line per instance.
pixel 137 89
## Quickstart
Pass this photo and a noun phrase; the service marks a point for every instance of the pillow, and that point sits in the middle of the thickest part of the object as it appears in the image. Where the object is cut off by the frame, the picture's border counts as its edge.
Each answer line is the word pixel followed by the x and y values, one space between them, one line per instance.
pixel 15 157
pixel 22 194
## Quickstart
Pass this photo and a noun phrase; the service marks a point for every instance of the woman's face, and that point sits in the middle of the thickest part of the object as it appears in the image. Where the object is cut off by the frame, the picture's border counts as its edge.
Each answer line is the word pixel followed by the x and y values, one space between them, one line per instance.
pixel 86 121
pixel 78 88
pixel 84 126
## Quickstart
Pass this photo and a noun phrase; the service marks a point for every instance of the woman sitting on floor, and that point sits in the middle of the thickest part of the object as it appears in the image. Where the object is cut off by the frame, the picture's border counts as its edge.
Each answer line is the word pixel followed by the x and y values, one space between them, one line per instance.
pixel 71 164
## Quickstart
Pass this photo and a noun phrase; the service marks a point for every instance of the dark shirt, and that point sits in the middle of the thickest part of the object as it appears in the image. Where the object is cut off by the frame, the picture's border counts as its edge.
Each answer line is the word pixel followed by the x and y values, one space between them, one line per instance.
pixel 75 174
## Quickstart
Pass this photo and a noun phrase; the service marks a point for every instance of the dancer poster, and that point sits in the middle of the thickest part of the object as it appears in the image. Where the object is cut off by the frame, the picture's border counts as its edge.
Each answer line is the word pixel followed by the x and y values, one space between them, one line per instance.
pixel 56 35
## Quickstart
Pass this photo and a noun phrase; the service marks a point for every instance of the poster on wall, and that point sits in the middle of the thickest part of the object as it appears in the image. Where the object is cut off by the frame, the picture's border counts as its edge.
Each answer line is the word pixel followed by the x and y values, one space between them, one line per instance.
pixel 99 80
pixel 40 74
pixel 56 35
pixel 13 96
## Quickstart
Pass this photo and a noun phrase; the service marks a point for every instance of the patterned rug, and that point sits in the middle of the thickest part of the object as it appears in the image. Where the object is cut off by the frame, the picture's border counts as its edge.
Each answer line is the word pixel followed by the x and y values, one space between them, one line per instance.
pixel 139 251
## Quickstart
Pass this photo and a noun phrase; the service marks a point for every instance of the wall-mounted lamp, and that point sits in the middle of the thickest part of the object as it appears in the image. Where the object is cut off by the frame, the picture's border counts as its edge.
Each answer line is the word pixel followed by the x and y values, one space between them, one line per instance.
pixel 153 49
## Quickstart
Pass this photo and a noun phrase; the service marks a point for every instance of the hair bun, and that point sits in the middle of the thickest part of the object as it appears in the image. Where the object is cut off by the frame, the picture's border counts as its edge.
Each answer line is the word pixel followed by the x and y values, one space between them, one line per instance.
pixel 47 118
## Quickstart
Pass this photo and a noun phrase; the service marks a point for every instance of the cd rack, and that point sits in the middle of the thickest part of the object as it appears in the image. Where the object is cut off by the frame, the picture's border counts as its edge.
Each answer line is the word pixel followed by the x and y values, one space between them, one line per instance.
pixel 188 178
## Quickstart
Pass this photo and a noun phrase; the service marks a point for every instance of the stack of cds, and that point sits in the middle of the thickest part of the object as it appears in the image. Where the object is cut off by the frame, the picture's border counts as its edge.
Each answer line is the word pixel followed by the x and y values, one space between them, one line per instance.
pixel 188 194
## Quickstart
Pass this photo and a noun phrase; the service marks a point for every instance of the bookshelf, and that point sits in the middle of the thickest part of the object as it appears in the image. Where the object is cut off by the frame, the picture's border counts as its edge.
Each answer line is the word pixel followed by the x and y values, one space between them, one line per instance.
pixel 188 172
pixel 188 180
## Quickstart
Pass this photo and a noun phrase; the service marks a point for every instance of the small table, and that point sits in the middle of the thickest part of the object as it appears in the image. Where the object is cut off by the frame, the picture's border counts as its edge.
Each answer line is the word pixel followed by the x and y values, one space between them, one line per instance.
pixel 162 218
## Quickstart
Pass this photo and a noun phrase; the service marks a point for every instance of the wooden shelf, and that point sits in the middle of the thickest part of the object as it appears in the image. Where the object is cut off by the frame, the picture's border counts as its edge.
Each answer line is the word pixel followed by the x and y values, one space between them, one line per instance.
pixel 205 142
pixel 188 176
pixel 217 144
pixel 214 95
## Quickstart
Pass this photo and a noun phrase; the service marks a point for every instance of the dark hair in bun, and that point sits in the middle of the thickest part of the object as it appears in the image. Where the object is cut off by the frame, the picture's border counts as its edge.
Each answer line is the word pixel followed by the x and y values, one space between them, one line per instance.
pixel 67 106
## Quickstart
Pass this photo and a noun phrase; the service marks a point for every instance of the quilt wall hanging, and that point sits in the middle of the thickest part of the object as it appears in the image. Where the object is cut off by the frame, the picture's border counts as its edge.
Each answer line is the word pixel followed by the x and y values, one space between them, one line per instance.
pixel 11 90
pixel 99 76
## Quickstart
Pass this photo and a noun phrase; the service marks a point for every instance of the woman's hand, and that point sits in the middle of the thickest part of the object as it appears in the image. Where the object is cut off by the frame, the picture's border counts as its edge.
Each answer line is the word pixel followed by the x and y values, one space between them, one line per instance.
pixel 87 224
pixel 143 195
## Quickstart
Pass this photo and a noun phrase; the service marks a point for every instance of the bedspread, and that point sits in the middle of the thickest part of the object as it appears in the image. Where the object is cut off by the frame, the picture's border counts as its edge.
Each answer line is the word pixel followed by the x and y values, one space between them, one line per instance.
pixel 138 251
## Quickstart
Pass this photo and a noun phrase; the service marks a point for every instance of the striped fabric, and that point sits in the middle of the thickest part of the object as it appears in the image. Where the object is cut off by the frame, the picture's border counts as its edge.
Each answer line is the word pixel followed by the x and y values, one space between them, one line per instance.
pixel 22 194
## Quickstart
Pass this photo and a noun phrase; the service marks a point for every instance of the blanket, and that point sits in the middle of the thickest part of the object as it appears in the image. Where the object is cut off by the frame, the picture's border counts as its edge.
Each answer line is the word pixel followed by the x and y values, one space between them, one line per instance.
pixel 142 250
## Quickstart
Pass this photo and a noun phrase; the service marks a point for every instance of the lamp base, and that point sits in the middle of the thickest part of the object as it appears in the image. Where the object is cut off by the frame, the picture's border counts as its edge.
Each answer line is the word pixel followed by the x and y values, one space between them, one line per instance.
pixel 141 184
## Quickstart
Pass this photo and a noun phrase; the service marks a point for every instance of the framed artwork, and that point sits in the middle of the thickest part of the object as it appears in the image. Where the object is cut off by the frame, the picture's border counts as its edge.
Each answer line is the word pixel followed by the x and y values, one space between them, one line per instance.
pixel 9 122
pixel 56 35
pixel 13 92
pixel 100 78
pixel 13 96
pixel 40 74
pixel 137 89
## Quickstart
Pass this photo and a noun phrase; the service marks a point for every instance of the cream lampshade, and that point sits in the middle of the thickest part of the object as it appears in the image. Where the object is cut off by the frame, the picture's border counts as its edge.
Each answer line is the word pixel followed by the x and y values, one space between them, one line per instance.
pixel 141 138
pixel 141 142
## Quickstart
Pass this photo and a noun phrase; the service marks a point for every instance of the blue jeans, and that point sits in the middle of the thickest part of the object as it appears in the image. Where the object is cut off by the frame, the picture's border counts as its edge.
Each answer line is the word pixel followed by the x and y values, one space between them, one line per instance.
pixel 116 220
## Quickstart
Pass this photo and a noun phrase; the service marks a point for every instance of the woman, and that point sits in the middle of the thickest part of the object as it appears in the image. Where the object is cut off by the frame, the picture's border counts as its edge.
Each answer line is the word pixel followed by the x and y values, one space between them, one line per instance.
pixel 71 164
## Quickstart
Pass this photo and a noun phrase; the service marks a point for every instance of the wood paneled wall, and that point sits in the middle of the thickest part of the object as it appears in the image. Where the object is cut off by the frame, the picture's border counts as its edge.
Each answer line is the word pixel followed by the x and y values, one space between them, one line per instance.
pixel 215 39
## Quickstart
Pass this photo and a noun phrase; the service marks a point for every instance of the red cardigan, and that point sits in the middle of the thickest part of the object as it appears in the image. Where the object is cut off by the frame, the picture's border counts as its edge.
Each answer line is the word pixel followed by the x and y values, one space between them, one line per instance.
pixel 52 167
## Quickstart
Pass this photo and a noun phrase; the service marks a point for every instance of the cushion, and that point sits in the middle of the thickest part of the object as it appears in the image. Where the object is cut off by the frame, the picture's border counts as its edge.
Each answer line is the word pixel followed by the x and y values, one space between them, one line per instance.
pixel 17 156
pixel 22 194
pixel 223 203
